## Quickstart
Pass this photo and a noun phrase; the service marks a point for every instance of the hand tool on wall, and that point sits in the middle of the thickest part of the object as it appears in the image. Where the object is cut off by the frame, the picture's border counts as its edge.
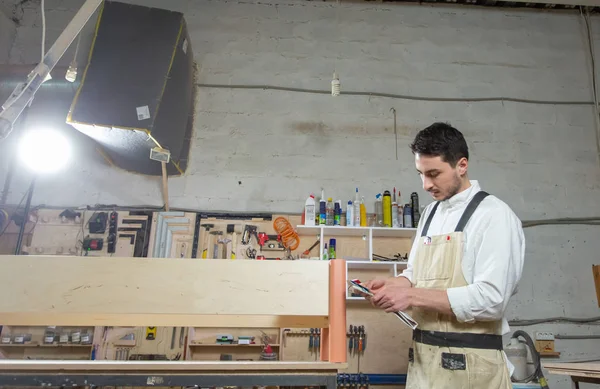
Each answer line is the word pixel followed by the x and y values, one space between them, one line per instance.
pixel 150 333
pixel 307 252
pixel 234 230
pixel 350 339
pixel 360 340
pixel 216 243
pixel 318 341
pixel 364 335
pixel 249 231
pixel 284 335
pixel 310 340
pixel 207 228
pixel 224 242
pixel 181 333
pixel 355 339
pixel 173 338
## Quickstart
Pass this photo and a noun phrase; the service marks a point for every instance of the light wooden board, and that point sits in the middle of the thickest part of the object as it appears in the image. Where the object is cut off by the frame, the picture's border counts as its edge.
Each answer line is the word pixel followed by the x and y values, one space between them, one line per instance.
pixel 162 366
pixel 588 370
pixel 596 271
pixel 125 291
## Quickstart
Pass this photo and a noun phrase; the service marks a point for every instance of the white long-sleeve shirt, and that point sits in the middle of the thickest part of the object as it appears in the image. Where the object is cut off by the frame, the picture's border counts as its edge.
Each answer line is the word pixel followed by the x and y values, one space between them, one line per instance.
pixel 494 254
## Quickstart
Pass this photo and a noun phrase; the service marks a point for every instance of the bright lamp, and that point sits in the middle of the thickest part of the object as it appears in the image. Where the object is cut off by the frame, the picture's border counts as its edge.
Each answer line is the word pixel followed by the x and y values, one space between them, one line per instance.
pixel 44 151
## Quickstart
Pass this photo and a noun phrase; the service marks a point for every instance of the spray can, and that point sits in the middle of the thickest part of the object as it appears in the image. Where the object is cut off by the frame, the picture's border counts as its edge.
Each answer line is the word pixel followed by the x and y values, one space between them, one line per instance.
pixel 337 213
pixel 408 217
pixel 322 211
pixel 387 209
pixel 414 200
pixel 332 244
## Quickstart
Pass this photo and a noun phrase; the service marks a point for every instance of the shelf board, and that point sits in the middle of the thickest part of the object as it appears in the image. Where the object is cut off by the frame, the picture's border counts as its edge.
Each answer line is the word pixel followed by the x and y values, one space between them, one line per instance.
pixel 33 345
pixel 357 231
pixel 382 232
pixel 373 264
pixel 229 345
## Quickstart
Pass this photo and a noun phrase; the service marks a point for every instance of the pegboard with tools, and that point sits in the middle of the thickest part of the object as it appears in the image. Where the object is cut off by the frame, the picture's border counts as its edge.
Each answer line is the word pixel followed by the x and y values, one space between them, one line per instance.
pixel 268 238
pixel 86 232
pixel 173 234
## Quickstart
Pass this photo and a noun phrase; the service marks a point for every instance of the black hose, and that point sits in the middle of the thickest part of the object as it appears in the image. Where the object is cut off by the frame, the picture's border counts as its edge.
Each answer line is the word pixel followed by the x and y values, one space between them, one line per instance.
pixel 537 373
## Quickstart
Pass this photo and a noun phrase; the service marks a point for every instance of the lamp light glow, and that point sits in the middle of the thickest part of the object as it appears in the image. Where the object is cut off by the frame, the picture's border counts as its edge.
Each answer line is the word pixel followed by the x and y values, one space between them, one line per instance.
pixel 44 150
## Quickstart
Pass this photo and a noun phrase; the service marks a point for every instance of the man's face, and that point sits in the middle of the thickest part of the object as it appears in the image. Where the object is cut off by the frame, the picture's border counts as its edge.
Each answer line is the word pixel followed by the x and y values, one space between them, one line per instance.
pixel 439 178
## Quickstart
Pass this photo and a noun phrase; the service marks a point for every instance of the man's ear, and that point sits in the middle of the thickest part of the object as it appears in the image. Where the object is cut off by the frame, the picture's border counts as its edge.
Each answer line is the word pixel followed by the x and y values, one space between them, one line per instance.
pixel 462 166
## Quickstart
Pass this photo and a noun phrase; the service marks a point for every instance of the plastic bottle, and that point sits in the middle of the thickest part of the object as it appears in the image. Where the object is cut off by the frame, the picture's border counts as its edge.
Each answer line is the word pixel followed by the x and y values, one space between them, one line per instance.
pixel 329 212
pixel 357 211
pixel 378 211
pixel 337 213
pixel 322 211
pixel 350 214
pixel 332 245
pixel 363 213
pixel 395 223
pixel 325 253
pixel 309 211
pixel 408 220
pixel 387 209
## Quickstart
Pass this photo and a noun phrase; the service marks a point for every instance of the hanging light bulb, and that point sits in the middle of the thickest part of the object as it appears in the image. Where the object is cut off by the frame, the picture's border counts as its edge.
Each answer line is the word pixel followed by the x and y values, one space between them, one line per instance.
pixel 335 85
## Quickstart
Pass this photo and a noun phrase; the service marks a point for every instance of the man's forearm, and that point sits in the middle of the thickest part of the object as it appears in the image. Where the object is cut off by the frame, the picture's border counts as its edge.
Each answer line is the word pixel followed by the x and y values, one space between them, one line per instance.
pixel 431 299
pixel 402 281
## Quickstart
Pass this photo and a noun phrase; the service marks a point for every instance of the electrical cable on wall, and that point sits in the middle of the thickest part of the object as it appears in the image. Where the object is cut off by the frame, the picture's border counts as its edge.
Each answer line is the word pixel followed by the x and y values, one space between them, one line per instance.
pixel 590 45
pixel 400 96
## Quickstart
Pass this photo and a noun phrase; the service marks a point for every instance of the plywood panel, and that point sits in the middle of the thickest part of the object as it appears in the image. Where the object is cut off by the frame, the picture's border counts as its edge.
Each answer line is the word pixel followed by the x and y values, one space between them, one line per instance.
pixel 141 286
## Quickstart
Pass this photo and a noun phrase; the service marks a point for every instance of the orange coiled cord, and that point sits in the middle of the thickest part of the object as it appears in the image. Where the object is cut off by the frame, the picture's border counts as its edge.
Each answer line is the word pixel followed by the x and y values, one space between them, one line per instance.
pixel 289 237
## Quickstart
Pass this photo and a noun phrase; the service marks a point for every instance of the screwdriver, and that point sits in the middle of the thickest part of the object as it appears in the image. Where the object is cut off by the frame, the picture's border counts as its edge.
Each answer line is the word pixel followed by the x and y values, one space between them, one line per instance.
pixel 351 340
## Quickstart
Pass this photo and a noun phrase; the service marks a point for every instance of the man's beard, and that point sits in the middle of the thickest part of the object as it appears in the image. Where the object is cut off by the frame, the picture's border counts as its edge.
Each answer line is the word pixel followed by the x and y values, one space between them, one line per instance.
pixel 455 187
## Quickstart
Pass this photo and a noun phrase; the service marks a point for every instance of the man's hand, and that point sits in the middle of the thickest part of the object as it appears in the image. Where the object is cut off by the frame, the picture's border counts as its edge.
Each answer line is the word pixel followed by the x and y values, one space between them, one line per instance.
pixel 393 297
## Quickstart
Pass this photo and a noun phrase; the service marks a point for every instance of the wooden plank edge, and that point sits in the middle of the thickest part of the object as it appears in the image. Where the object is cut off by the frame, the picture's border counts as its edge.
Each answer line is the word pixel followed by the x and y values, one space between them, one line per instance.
pixel 165 320
pixel 180 367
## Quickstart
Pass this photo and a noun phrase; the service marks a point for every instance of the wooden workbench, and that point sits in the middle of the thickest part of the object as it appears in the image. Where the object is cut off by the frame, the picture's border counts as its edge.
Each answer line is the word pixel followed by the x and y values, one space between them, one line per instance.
pixel 579 372
pixel 166 373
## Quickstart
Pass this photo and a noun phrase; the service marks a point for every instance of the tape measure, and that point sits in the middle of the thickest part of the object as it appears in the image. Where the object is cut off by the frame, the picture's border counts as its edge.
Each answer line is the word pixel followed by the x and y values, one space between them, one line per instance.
pixel 150 333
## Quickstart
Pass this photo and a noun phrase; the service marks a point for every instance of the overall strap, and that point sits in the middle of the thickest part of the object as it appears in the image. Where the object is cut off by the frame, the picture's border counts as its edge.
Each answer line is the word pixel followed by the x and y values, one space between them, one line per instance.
pixel 473 204
pixel 426 227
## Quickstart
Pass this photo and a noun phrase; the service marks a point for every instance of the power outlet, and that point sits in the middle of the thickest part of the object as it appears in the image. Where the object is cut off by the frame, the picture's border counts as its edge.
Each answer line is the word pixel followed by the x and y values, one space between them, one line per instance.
pixel 544 335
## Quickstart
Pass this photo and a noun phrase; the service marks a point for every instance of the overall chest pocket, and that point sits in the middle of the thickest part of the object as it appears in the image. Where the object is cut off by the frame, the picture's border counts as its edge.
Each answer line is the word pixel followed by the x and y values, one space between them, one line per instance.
pixel 436 260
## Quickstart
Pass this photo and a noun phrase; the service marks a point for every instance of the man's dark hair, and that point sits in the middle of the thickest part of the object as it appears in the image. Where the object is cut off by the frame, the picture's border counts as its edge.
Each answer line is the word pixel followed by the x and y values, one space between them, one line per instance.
pixel 441 139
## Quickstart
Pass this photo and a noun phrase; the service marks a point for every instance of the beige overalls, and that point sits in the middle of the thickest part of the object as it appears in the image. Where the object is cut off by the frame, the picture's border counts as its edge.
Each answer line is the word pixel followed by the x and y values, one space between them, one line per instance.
pixel 446 354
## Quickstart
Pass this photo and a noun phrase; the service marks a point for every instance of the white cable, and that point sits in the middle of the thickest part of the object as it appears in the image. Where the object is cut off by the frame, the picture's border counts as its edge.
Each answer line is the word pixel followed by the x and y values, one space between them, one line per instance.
pixel 43 30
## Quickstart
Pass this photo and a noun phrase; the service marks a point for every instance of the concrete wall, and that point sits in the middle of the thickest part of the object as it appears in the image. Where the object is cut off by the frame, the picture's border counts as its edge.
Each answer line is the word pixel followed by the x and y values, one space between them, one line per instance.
pixel 256 150
pixel 7 34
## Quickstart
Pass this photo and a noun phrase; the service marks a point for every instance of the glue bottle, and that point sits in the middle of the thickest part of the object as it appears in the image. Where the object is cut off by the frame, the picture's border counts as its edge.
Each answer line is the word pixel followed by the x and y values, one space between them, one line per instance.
pixel 309 211
pixel 363 213
pixel 350 214
pixel 357 210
